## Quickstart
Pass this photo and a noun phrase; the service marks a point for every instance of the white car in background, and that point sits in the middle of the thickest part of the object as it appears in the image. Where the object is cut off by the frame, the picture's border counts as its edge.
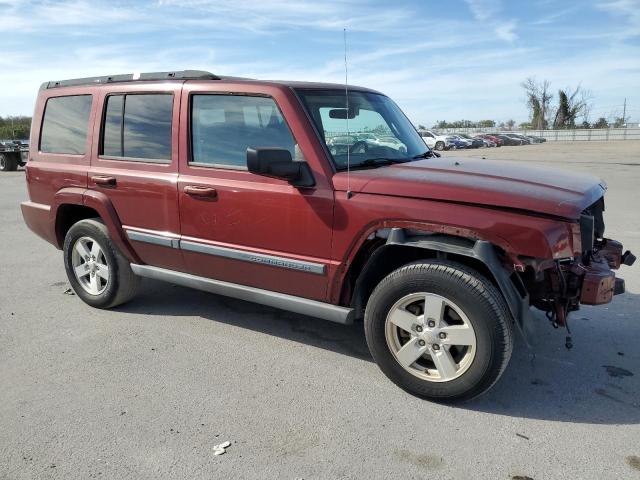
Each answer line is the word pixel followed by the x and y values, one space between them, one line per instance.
pixel 391 142
pixel 433 140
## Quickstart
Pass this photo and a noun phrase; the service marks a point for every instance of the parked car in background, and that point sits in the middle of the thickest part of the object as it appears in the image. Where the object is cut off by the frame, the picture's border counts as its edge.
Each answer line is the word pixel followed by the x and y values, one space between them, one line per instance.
pixel 474 142
pixel 454 142
pixel 434 140
pixel 488 143
pixel 389 141
pixel 492 138
pixel 525 140
pixel 535 139
pixel 508 140
pixel 341 143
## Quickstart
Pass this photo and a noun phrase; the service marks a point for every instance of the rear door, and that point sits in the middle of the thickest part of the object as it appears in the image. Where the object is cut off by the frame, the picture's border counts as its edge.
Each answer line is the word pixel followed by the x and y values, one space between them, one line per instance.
pixel 244 228
pixel 135 164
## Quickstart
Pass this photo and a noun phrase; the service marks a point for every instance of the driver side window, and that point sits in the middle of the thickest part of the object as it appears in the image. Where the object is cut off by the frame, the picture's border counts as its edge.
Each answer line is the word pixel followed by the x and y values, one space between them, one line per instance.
pixel 224 126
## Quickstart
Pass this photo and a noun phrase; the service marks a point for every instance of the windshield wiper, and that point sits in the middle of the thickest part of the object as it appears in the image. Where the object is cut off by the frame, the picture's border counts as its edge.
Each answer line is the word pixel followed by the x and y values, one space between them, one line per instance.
pixel 427 154
pixel 380 161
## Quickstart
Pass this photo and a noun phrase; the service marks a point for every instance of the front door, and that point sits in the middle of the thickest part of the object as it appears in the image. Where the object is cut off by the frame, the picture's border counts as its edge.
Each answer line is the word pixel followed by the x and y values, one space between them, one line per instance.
pixel 244 228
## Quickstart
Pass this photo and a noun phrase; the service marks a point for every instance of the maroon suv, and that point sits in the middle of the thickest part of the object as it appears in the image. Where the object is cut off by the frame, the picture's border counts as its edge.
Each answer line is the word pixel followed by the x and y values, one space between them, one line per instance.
pixel 238 187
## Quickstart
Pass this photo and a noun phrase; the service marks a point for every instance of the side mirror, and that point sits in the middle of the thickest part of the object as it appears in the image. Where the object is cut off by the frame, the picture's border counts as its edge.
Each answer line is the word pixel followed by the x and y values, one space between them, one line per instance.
pixel 277 163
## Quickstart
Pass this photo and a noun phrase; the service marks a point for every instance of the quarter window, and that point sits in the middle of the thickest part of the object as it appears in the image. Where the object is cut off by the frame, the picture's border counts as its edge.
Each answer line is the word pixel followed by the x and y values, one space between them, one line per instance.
pixel 112 140
pixel 65 125
pixel 138 127
pixel 224 126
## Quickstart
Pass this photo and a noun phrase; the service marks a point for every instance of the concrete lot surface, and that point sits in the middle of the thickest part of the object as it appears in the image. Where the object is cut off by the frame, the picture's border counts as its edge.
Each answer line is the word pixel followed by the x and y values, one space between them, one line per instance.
pixel 145 391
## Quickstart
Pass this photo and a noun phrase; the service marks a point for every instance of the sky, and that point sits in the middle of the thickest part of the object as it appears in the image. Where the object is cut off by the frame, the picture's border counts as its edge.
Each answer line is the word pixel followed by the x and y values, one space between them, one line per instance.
pixel 439 60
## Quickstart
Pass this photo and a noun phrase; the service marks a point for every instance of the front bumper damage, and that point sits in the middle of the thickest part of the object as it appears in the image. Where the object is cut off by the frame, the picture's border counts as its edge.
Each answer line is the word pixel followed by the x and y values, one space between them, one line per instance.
pixel 590 281
pixel 600 284
pixel 560 286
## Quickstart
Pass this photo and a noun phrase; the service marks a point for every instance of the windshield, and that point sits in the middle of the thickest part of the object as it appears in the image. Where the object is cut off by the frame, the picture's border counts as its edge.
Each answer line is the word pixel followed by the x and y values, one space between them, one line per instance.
pixel 373 129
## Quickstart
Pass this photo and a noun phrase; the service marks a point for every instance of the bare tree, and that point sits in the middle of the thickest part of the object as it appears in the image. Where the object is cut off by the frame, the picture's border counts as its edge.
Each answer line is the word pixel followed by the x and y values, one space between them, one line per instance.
pixel 539 98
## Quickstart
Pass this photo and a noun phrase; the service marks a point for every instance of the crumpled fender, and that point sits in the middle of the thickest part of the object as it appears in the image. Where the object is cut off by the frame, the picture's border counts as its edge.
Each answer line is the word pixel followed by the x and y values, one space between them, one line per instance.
pixel 517 299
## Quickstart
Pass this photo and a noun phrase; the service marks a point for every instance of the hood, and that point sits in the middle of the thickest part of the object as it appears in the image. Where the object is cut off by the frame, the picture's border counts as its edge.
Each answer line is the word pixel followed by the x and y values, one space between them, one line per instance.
pixel 483 182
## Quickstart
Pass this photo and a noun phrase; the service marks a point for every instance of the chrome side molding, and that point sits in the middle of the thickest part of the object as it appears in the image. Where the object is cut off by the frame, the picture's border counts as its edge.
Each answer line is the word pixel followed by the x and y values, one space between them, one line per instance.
pixel 313 308
pixel 153 238
pixel 246 256
pixel 226 252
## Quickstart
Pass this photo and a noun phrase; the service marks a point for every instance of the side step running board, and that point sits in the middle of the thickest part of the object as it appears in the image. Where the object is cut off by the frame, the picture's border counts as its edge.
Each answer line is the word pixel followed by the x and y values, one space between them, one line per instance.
pixel 313 308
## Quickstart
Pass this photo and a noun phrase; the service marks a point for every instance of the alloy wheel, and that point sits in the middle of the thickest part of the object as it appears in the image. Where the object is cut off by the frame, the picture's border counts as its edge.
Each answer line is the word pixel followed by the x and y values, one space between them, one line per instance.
pixel 90 265
pixel 430 337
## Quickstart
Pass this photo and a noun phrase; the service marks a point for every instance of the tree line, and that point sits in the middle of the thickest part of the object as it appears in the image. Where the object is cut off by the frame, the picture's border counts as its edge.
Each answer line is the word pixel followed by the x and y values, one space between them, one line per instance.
pixel 15 128
pixel 570 111
pixel 511 124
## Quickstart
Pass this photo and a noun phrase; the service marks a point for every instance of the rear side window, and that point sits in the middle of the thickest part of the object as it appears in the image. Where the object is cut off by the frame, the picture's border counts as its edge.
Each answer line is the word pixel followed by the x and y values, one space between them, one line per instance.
pixel 224 126
pixel 138 127
pixel 65 125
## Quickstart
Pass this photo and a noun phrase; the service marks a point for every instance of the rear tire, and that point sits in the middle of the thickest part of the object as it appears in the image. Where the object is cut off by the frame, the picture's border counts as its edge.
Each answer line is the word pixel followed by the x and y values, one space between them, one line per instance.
pixel 98 273
pixel 7 162
pixel 439 145
pixel 439 330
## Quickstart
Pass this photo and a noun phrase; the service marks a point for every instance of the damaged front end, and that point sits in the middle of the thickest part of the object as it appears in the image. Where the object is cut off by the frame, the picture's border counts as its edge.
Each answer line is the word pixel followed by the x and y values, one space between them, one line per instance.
pixel 558 287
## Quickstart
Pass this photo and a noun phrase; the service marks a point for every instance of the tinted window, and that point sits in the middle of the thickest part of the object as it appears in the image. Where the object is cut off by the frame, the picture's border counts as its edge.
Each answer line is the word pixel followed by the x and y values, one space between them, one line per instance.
pixel 224 126
pixel 112 140
pixel 65 124
pixel 144 132
pixel 147 126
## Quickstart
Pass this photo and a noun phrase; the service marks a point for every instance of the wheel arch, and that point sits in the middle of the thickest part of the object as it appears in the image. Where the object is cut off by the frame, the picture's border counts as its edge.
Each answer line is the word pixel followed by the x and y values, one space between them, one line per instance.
pixel 75 204
pixel 67 214
pixel 402 247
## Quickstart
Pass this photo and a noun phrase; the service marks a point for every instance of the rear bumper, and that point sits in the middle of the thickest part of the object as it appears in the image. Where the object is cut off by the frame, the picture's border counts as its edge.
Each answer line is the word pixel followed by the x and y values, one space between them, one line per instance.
pixel 37 216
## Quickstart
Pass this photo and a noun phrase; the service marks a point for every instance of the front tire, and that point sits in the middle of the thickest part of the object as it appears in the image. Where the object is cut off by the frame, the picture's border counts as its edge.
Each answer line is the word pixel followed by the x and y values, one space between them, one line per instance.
pixel 439 330
pixel 98 273
pixel 439 145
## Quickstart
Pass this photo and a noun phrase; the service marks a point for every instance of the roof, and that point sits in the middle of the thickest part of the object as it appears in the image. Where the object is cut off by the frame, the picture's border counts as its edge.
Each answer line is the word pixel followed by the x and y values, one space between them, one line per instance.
pixel 184 75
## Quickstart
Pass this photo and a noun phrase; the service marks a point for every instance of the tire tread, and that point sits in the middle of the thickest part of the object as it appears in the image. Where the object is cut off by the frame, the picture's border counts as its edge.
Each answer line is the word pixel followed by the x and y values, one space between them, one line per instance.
pixel 482 290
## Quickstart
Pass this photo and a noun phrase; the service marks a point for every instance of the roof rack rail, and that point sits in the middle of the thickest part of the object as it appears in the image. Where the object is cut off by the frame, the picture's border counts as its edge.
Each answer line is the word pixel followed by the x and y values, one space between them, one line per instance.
pixel 132 77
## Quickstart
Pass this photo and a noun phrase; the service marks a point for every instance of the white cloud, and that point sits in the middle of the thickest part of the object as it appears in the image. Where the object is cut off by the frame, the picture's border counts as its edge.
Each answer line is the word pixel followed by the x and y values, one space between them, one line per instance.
pixel 266 15
pixel 507 31
pixel 483 10
pixel 628 11
pixel 553 17
pixel 487 12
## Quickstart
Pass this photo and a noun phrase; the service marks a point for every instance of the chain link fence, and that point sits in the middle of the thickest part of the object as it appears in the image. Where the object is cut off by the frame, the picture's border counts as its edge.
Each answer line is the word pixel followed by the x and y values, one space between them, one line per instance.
pixel 576 135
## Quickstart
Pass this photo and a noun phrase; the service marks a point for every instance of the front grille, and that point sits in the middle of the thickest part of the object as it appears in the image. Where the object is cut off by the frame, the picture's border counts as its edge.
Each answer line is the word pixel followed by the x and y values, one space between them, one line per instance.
pixel 587 236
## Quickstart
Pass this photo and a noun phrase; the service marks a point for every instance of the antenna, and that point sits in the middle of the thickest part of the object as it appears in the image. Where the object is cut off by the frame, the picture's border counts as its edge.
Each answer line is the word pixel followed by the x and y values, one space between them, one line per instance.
pixel 346 96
